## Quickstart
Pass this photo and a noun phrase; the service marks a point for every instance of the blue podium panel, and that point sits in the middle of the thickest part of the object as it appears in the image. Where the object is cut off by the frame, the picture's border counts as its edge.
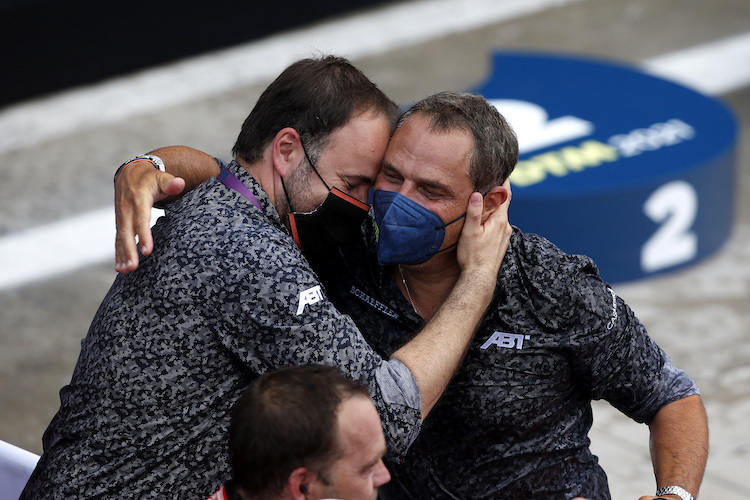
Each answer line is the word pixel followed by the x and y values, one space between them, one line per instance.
pixel 633 170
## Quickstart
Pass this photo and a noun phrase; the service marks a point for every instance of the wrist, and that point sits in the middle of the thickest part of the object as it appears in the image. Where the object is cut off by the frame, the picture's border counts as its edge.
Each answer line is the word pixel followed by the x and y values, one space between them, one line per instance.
pixel 675 492
pixel 480 278
pixel 475 288
pixel 155 161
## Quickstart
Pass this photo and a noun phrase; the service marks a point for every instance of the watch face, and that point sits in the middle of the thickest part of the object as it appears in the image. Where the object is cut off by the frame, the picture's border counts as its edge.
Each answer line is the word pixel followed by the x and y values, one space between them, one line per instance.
pixel 158 163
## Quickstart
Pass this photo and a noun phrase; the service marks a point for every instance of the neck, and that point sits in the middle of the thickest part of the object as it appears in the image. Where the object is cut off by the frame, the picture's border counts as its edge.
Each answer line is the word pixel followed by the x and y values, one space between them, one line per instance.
pixel 262 172
pixel 427 286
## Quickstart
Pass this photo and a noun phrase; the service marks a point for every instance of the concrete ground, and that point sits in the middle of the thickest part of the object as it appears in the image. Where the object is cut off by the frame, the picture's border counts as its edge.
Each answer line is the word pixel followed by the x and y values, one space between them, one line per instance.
pixel 700 315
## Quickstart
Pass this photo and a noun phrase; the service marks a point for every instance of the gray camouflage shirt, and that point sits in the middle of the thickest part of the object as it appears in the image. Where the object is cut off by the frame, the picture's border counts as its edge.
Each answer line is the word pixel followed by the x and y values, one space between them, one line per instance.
pixel 514 421
pixel 225 296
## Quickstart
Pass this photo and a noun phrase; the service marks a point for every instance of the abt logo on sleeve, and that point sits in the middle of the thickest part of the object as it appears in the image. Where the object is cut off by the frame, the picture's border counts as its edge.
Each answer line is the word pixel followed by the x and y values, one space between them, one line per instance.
pixel 506 340
pixel 309 297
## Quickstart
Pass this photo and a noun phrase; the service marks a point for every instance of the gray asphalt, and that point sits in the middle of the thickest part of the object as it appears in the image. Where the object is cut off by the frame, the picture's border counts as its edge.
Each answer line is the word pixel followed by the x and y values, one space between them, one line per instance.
pixel 700 315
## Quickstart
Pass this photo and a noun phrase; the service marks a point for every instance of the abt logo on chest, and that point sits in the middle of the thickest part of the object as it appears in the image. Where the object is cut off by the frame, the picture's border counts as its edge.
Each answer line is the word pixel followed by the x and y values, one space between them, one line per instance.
pixel 308 297
pixel 506 340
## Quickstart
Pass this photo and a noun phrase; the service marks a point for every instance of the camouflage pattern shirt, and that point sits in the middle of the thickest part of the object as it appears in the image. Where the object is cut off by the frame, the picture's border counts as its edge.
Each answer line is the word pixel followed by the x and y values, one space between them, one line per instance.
pixel 225 296
pixel 514 421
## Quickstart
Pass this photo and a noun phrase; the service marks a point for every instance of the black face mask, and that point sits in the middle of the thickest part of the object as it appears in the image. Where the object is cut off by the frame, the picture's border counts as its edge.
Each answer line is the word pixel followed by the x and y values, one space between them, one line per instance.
pixel 336 222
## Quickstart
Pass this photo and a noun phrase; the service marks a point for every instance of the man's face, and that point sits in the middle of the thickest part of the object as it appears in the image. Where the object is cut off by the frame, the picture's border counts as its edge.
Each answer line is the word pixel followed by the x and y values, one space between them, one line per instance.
pixel 358 473
pixel 350 161
pixel 431 167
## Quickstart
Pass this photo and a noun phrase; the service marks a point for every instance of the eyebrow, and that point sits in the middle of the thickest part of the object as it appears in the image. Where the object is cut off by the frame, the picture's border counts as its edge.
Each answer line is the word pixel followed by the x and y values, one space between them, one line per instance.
pixel 435 185
pixel 425 182
pixel 386 165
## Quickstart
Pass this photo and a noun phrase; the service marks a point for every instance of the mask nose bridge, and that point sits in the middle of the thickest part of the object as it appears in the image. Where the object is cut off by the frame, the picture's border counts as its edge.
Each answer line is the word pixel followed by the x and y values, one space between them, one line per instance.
pixel 415 211
pixel 407 206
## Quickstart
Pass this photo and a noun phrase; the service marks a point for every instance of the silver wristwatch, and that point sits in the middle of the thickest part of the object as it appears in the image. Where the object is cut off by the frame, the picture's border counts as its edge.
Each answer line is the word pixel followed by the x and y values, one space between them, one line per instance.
pixel 155 161
pixel 675 490
pixel 158 163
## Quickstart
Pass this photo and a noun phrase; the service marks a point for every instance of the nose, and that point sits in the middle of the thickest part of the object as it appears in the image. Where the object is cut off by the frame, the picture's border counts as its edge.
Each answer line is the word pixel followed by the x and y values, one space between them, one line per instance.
pixel 408 189
pixel 381 475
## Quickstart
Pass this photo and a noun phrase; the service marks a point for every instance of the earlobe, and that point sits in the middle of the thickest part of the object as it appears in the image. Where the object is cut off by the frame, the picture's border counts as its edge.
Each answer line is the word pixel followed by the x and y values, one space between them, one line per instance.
pixel 285 151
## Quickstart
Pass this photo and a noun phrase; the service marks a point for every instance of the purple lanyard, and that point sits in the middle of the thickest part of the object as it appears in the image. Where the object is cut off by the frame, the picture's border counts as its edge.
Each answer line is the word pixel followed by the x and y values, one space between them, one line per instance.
pixel 231 181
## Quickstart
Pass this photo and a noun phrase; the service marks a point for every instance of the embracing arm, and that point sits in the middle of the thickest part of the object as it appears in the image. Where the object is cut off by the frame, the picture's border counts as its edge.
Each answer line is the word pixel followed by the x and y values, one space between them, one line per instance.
pixel 139 186
pixel 679 445
pixel 434 355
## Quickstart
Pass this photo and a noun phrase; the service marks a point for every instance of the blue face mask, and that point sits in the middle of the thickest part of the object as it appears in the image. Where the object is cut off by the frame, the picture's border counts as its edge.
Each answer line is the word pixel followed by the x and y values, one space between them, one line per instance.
pixel 407 232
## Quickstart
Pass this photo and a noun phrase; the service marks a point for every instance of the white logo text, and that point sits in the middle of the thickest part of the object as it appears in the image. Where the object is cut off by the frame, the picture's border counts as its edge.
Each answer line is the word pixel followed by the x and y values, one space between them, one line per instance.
pixel 310 296
pixel 509 340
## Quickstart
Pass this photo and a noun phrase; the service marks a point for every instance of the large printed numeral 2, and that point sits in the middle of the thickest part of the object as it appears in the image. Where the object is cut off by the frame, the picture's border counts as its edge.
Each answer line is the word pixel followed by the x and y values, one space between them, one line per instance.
pixel 673 206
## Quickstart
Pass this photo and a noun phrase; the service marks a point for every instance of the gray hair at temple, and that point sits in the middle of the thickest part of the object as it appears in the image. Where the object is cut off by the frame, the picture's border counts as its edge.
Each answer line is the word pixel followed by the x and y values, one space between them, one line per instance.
pixel 495 152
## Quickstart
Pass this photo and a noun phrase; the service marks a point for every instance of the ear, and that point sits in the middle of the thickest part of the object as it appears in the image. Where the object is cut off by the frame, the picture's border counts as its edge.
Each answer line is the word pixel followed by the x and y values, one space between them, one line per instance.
pixel 286 151
pixel 300 482
pixel 497 197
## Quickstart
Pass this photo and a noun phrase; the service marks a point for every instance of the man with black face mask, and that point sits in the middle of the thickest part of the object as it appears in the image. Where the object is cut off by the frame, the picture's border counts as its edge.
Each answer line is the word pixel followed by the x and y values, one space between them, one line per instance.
pixel 225 295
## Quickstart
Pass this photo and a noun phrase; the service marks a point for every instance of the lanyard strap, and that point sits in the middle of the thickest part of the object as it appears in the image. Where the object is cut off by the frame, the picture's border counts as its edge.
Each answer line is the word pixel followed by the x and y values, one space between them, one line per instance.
pixel 232 182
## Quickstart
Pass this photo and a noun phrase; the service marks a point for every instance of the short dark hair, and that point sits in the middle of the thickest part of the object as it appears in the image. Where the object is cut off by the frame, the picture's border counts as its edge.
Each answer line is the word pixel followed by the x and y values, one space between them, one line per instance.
pixel 314 96
pixel 287 419
pixel 495 152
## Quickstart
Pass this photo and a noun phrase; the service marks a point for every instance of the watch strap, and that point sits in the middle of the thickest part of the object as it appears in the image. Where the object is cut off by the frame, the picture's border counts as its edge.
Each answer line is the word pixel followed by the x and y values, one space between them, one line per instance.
pixel 155 161
pixel 675 490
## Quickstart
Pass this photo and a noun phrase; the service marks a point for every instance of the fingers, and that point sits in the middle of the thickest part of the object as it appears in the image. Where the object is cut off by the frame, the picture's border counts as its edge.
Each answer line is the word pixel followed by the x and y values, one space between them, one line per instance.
pixel 483 240
pixel 142 225
pixel 504 193
pixel 173 187
pixel 133 221
pixel 137 188
pixel 126 254
pixel 133 225
pixel 499 216
pixel 166 188
pixel 474 214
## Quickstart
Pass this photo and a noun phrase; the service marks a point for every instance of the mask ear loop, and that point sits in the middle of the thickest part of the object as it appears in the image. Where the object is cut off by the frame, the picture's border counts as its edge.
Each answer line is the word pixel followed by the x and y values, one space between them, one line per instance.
pixel 442 227
pixel 460 216
pixel 307 156
pixel 451 222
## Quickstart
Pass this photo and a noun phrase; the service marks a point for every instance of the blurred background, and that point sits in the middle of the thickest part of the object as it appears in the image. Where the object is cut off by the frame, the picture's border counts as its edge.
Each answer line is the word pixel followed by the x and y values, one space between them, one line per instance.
pixel 87 86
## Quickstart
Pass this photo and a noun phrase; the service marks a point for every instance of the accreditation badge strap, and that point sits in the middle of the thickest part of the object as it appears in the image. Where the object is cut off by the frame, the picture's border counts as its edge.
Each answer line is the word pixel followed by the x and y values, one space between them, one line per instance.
pixel 232 182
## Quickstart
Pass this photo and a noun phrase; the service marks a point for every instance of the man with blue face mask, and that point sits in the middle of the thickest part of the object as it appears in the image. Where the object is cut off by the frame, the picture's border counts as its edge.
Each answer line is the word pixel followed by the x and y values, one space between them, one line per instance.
pixel 514 421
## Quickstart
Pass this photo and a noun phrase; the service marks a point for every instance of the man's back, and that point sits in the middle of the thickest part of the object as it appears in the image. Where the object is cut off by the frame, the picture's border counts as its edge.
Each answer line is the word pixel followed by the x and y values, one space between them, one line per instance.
pixel 152 387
